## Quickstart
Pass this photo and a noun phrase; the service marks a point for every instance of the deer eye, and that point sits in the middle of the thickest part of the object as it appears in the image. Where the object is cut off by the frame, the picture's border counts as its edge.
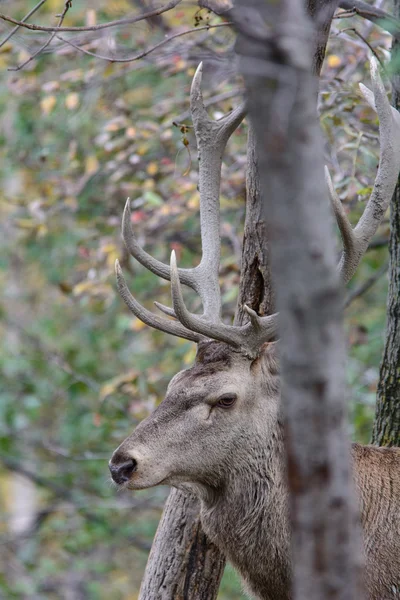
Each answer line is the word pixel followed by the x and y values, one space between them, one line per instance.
pixel 227 400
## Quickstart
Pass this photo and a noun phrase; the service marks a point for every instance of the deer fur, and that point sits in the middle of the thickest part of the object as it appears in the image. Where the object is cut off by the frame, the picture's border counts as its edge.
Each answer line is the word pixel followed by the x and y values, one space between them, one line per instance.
pixel 233 460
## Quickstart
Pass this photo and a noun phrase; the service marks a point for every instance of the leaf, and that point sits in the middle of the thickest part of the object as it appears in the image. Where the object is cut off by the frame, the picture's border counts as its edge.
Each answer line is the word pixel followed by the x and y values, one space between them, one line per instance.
pixel 47 104
pixel 334 61
pixel 153 198
pixel 113 385
pixel 152 168
pixel 91 164
pixel 72 101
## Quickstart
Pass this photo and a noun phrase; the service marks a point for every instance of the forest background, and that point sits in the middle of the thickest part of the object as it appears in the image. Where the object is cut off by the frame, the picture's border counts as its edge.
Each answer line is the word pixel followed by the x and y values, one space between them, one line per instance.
pixel 79 134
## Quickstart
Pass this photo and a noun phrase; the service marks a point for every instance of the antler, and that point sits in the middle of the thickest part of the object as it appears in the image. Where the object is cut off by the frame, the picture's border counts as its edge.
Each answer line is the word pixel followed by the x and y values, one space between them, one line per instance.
pixel 211 137
pixel 356 241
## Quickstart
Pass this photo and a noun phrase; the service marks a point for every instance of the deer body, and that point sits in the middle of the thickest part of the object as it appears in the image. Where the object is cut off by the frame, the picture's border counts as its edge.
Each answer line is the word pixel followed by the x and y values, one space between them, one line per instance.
pixel 219 431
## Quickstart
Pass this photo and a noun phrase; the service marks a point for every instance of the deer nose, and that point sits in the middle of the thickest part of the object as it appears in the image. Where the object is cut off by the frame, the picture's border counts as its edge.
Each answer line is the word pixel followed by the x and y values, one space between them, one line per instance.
pixel 122 469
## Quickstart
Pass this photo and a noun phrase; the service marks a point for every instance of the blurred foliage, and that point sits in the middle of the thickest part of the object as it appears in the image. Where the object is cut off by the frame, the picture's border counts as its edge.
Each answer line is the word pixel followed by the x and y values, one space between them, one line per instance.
pixel 78 372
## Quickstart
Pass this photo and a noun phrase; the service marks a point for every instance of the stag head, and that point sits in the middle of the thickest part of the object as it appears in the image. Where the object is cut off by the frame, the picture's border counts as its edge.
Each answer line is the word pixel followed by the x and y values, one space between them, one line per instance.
pixel 219 413
pixel 198 434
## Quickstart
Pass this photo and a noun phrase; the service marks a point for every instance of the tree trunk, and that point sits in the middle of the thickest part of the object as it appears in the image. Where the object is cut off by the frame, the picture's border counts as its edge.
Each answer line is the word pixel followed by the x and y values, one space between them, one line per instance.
pixel 255 288
pixel 183 564
pixel 276 66
pixel 321 12
pixel 387 417
pixel 181 556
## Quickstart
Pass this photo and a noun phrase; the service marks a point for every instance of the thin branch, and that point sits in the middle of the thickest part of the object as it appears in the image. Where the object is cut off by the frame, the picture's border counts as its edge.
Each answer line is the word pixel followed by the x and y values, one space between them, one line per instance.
pixel 368 283
pixel 67 6
pixel 29 14
pixel 366 42
pixel 145 52
pixel 218 7
pixel 378 16
pixel 125 21
pixel 209 102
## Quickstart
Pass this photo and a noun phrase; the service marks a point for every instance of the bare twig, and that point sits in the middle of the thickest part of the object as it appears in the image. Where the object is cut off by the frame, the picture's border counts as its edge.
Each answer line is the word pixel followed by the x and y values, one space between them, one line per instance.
pixel 209 102
pixel 29 14
pixel 371 13
pixel 67 6
pixel 148 50
pixel 366 42
pixel 218 7
pixel 125 21
pixel 368 283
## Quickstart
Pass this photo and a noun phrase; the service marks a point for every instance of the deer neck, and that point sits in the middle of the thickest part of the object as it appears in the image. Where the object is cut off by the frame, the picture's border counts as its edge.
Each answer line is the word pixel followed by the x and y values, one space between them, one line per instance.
pixel 248 519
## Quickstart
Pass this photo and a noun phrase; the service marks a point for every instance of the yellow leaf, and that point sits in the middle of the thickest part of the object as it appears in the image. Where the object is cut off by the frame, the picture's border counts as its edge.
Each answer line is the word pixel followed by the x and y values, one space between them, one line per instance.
pixel 42 230
pixel 25 223
pixel 137 325
pixel 72 101
pixel 148 184
pixel 47 104
pixel 142 149
pixel 193 202
pixel 334 60
pixel 180 64
pixel 81 288
pixel 131 133
pixel 91 165
pixel 152 168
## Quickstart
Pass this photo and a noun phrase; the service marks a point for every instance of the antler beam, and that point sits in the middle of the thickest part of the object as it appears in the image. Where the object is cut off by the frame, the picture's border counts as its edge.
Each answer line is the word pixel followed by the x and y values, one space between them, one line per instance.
pixel 356 241
pixel 211 137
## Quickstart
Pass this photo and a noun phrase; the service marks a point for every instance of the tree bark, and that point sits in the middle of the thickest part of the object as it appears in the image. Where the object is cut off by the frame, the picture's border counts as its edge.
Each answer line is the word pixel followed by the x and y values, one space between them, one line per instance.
pixel 255 288
pixel 386 430
pixel 321 13
pixel 183 564
pixel 276 65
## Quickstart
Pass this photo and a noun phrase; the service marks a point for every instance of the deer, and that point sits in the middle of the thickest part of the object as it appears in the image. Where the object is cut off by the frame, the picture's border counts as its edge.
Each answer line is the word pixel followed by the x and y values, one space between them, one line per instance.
pixel 219 432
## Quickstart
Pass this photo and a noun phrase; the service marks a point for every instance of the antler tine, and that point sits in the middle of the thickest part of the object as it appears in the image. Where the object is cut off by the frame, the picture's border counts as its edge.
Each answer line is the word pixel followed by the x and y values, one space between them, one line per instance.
pixel 248 338
pixel 216 331
pixel 356 241
pixel 211 137
pixel 165 309
pixel 152 264
pixel 148 317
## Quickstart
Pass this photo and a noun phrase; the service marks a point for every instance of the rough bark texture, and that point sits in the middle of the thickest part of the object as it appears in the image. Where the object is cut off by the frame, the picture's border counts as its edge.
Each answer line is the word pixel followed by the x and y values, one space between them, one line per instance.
pixel 255 277
pixel 387 417
pixel 179 537
pixel 183 564
pixel 321 12
pixel 276 65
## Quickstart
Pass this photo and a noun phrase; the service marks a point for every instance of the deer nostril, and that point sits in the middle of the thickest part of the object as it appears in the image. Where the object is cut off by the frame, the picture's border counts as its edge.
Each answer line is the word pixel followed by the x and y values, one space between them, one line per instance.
pixel 122 472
